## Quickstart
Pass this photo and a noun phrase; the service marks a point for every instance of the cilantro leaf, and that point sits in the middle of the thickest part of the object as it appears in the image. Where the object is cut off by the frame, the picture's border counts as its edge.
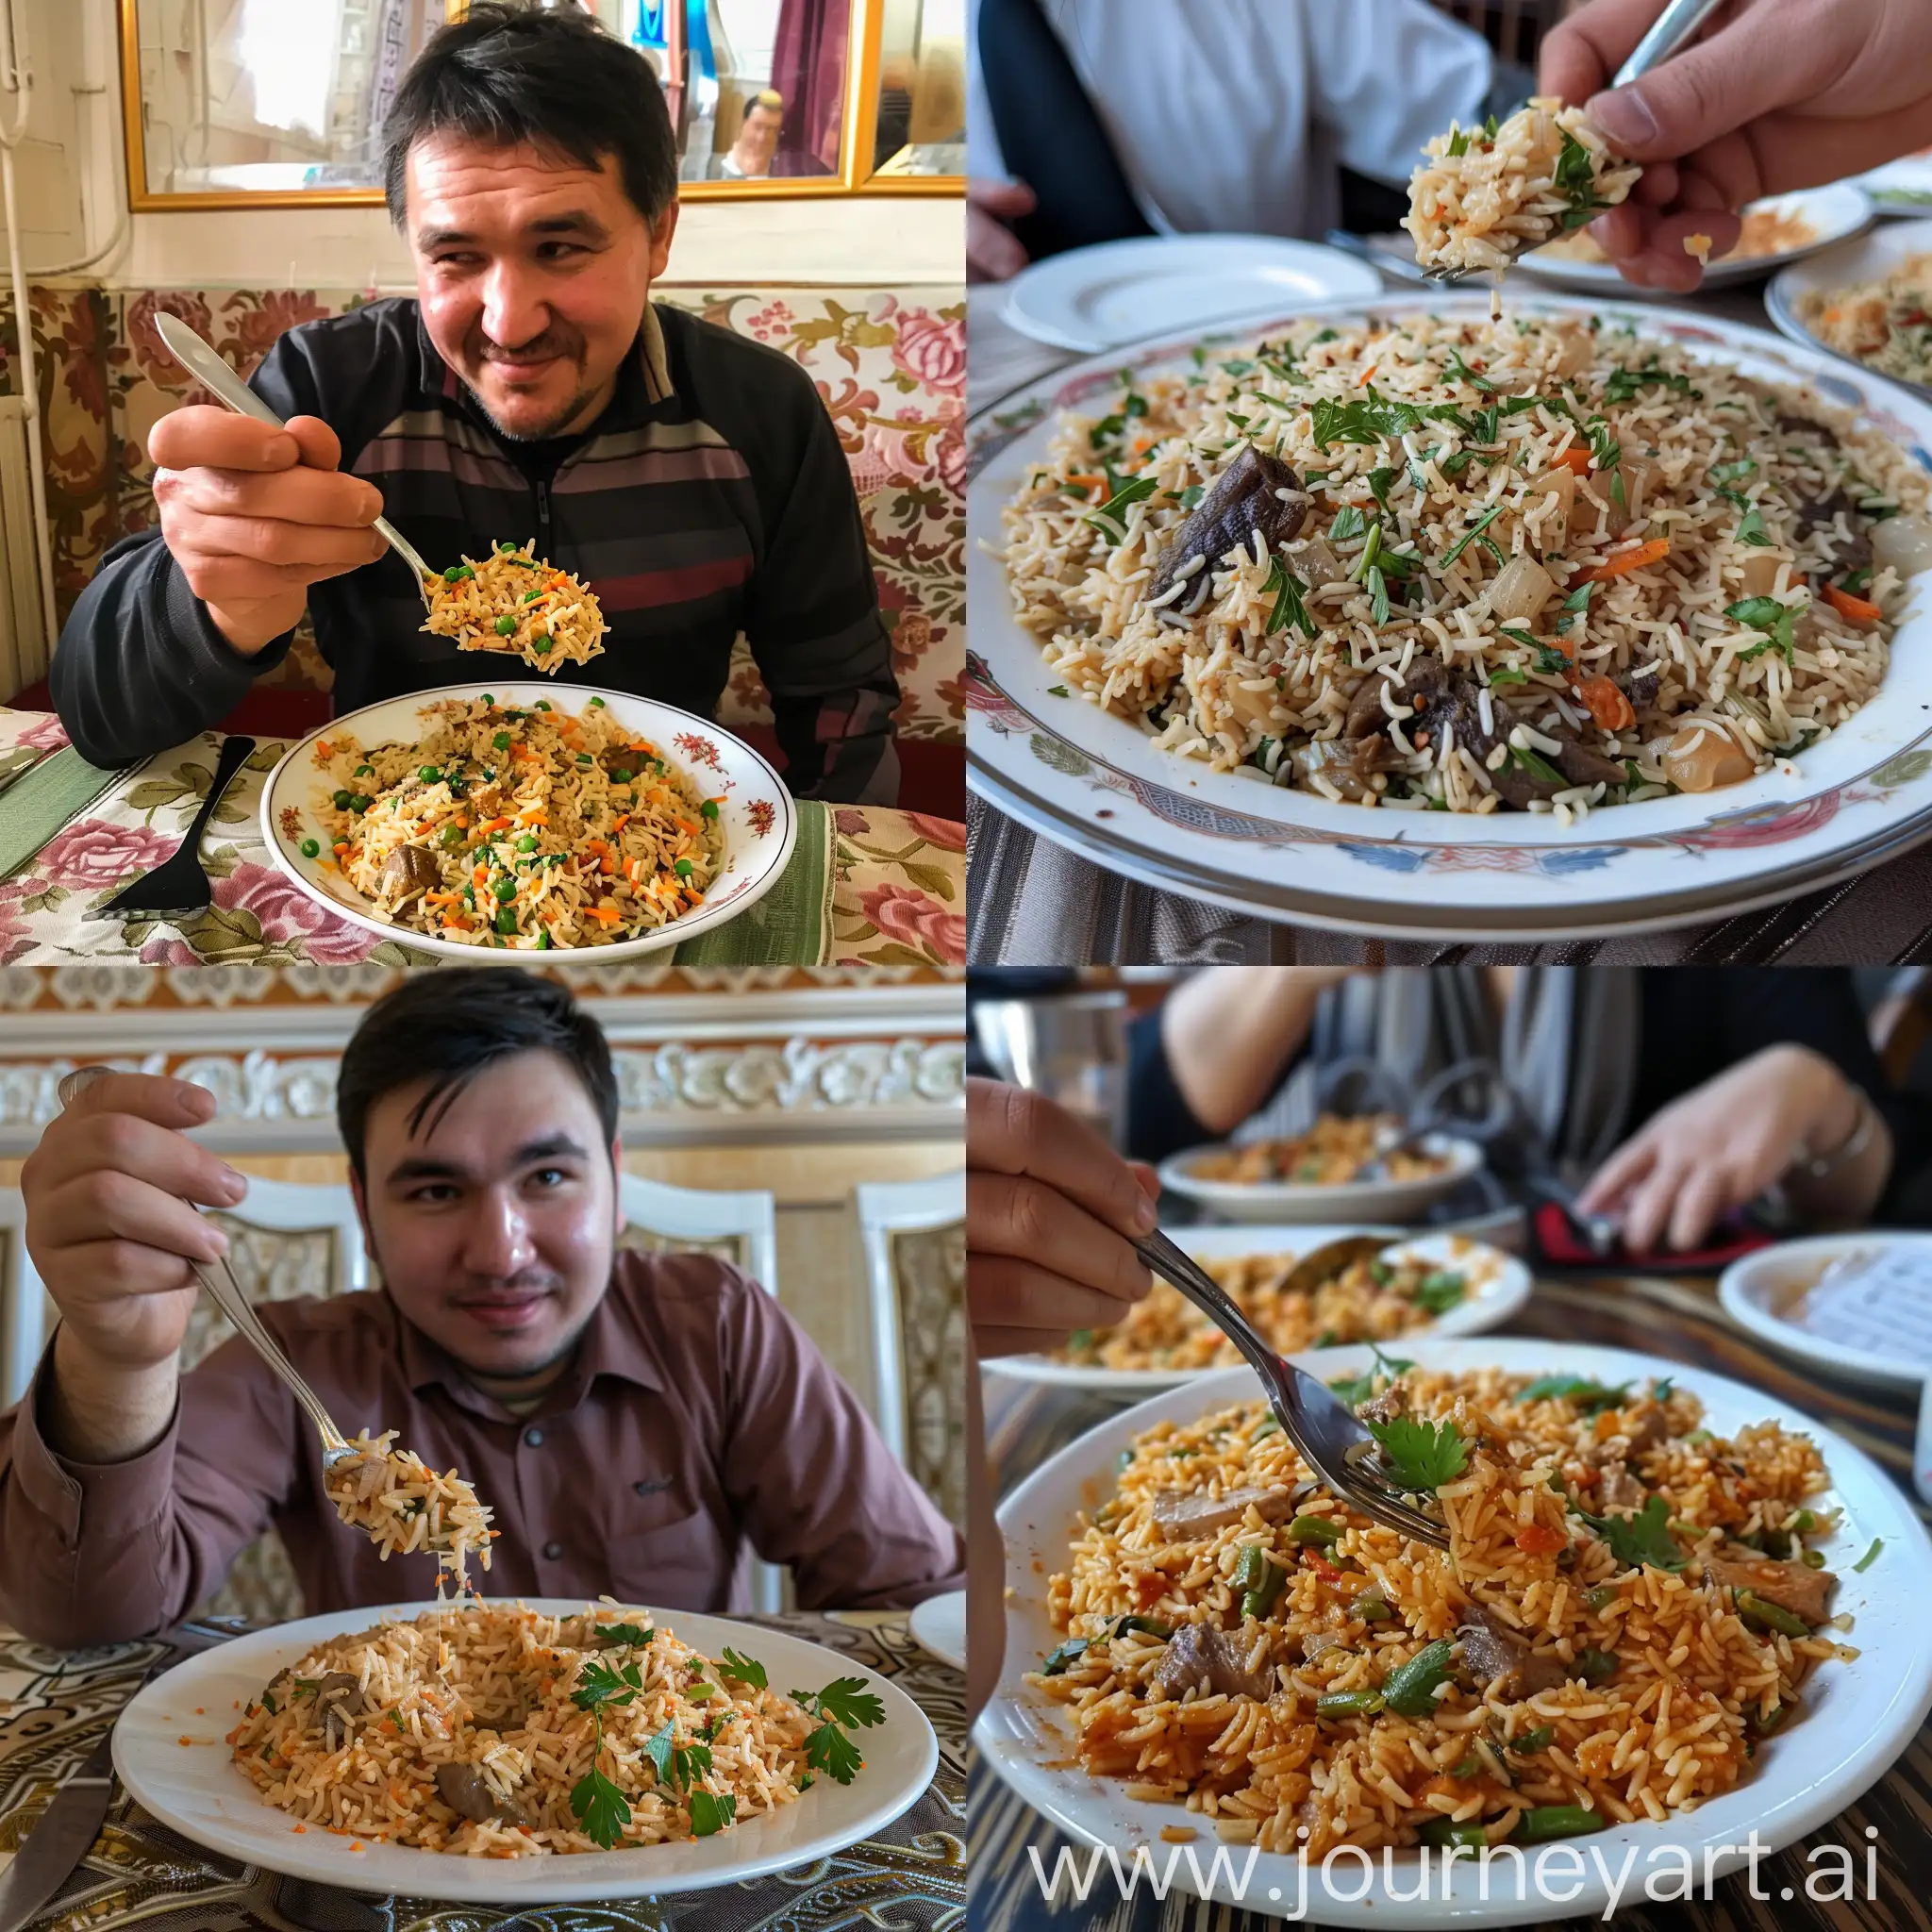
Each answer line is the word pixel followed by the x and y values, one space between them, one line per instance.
pixel 829 1750
pixel 1751 527
pixel 1349 522
pixel 1768 615
pixel 1474 531
pixel 846 1701
pixel 743 1670
pixel 1378 596
pixel 1380 481
pixel 1106 516
pixel 1410 1690
pixel 1622 384
pixel 599 1684
pixel 1576 180
pixel 710 1812
pixel 1461 369
pixel 600 1807
pixel 1590 1397
pixel 1645 1538
pixel 1289 609
pixel 1352 1391
pixel 1535 765
pixel 689 1762
pixel 658 1747
pixel 1440 1291
pixel 619 1636
pixel 1421 1455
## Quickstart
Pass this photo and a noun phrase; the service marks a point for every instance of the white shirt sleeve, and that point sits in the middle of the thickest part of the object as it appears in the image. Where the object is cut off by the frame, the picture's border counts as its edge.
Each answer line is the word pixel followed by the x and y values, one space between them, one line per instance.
pixel 1386 74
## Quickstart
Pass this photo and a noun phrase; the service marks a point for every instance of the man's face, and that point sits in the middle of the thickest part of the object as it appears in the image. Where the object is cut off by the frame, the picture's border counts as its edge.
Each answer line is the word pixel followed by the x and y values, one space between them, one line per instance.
pixel 758 140
pixel 494 1229
pixel 533 274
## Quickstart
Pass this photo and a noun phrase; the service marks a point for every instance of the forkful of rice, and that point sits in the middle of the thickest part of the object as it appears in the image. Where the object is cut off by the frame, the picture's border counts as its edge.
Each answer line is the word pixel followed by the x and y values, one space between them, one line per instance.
pixel 1482 195
pixel 510 601
pixel 1343 1450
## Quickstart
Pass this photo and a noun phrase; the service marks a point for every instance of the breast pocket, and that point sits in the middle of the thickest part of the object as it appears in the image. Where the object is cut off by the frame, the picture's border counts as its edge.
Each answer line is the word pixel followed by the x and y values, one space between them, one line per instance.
pixel 665 1548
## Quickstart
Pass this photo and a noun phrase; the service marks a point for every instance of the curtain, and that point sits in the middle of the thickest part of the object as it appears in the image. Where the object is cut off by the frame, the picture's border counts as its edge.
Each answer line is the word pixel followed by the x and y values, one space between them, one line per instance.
pixel 808 69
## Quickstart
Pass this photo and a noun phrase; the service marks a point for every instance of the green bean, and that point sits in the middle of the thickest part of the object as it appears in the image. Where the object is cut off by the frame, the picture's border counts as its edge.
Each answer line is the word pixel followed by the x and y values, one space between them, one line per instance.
pixel 1410 1690
pixel 1755 1609
pixel 1260 1581
pixel 1593 1666
pixel 1440 1831
pixel 1537 1739
pixel 1371 1606
pixel 1600 1596
pixel 1314 1529
pixel 1349 1704
pixel 1544 1822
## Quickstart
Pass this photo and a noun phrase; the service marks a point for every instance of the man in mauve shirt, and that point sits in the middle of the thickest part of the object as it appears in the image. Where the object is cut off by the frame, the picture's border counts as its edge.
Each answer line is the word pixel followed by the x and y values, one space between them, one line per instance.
pixel 640 1424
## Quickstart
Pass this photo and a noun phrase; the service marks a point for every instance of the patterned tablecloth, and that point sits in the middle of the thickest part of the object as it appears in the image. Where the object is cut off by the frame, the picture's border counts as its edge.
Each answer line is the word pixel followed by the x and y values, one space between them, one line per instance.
pixel 54 1707
pixel 1678 1319
pixel 865 886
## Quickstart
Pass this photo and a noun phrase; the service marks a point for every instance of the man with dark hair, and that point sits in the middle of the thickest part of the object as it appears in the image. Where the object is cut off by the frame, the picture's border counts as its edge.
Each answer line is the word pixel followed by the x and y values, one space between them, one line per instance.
pixel 641 1424
pixel 749 157
pixel 529 389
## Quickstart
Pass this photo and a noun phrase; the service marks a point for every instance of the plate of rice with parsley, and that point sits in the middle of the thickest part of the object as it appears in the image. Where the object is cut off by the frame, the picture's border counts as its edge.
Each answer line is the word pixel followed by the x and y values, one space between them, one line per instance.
pixel 1673 1609
pixel 542 1751
pixel 525 819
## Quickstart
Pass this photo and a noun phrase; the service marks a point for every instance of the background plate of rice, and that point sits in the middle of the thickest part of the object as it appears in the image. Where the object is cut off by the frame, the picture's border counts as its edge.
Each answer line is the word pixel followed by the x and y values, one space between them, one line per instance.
pixel 1831 214
pixel 1498 1284
pixel 756 816
pixel 1866 259
pixel 1057 763
pixel 195 1786
pixel 1369 1201
pixel 1856 1718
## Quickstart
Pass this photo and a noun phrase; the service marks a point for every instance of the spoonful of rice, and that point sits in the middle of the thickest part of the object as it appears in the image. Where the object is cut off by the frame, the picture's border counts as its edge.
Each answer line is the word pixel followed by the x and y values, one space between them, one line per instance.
pixel 508 602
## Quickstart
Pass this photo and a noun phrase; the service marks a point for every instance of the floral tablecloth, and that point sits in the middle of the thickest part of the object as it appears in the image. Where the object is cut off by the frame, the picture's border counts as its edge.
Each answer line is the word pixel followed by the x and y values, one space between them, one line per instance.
pixel 893 890
pixel 55 1706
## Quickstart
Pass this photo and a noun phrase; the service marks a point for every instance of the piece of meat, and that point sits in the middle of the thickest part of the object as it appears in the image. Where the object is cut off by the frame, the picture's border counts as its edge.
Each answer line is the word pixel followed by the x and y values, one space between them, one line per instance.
pixel 1180 1515
pixel 1424 685
pixel 410 870
pixel 465 1790
pixel 338 1698
pixel 1383 1408
pixel 1641 688
pixel 1620 1488
pixel 1803 425
pixel 1792 1587
pixel 1493 1652
pixel 1817 513
pixel 1240 501
pixel 1649 1432
pixel 1197 1656
pixel 1582 766
pixel 1347 763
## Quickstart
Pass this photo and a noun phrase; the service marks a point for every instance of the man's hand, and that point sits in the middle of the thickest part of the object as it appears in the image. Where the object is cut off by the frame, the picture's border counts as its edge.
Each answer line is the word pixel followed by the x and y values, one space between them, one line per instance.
pixel 1777 95
pixel 1722 1144
pixel 1049 1208
pixel 108 1223
pixel 993 252
pixel 254 515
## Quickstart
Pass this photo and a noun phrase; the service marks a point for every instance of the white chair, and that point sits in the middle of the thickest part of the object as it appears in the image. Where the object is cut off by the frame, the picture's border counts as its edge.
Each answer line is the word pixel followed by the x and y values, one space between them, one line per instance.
pixel 739 1227
pixel 914 1236
pixel 26 1315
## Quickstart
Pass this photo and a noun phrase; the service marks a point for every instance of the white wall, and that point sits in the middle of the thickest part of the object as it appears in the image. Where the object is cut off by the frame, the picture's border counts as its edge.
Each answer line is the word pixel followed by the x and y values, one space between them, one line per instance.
pixel 71 181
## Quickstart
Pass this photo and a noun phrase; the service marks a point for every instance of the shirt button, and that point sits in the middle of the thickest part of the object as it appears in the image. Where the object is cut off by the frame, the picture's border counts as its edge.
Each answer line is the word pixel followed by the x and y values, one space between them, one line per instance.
pixel 552 1551
pixel 534 1438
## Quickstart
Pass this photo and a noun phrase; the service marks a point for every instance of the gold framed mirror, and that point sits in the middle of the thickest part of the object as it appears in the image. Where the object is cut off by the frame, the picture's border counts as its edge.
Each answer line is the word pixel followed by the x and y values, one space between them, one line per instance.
pixel 249 104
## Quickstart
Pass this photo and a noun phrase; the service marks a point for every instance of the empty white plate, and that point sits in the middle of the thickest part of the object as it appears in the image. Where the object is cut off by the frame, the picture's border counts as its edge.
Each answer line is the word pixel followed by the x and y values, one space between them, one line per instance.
pixel 1123 291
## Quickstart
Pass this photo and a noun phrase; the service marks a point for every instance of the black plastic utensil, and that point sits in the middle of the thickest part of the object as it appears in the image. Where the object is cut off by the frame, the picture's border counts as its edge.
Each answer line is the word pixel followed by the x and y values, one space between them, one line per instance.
pixel 180 884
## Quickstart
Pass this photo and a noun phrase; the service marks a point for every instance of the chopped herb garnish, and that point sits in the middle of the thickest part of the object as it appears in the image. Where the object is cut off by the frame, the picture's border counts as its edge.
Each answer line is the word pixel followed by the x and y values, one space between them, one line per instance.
pixel 1768 615
pixel 1380 481
pixel 1870 1556
pixel 1535 764
pixel 1576 180
pixel 1751 527
pixel 1421 1455
pixel 1349 522
pixel 1056 690
pixel 1440 1291
pixel 1458 368
pixel 1353 1391
pixel 710 1812
pixel 1289 609
pixel 743 1670
pixel 1646 1538
pixel 1474 531
pixel 1590 1397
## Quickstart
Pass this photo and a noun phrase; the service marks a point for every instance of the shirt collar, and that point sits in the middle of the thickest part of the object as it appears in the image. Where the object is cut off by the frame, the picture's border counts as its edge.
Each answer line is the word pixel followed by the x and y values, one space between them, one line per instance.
pixel 609 1347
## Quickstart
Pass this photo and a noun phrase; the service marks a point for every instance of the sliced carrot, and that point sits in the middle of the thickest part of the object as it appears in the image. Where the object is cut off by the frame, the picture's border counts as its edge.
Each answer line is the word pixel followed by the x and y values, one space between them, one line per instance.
pixel 1575 460
pixel 1365 375
pixel 1539 1539
pixel 1856 608
pixel 1606 703
pixel 443 899
pixel 480 876
pixel 1630 559
pixel 494 826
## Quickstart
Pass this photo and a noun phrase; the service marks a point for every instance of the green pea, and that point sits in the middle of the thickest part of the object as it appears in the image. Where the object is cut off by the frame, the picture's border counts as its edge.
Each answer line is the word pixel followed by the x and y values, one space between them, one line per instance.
pixel 456 573
pixel 430 774
pixel 1594 1666
pixel 507 920
pixel 310 848
pixel 340 799
pixel 528 843
pixel 487 699
pixel 505 624
pixel 506 888
pixel 362 802
pixel 452 835
pixel 506 550
pixel 539 642
pixel 682 868
pixel 598 705
pixel 364 771
pixel 531 596
pixel 543 703
pixel 619 776
pixel 543 941
pixel 709 809
pixel 501 741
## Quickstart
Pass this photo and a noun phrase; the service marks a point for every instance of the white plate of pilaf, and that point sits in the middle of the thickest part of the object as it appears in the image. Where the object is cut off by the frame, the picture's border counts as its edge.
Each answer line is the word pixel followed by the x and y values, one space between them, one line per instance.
pixel 525 817
pixel 1325 1172
pixel 1136 785
pixel 1440 1284
pixel 1586 1663
pixel 173 1750
pixel 1782 229
pixel 1868 303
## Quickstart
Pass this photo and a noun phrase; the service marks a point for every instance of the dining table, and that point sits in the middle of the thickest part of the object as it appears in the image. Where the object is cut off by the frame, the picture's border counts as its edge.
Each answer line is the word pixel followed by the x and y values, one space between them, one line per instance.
pixel 56 1706
pixel 866 885
pixel 1036 903
pixel 1679 1318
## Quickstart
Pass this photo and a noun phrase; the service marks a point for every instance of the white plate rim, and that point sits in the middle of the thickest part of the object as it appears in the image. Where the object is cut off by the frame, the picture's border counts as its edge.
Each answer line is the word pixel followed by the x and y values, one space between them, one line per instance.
pixel 1737 1296
pixel 1365 1197
pixel 1008 1737
pixel 142 1759
pixel 939 1626
pixel 1498 1301
pixel 1190 831
pixel 1854 215
pixel 770 860
pixel 1040 300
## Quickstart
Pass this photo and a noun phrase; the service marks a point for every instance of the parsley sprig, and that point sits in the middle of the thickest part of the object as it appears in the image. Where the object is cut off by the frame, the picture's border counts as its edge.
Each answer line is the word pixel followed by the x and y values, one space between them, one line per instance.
pixel 599 1804
pixel 1773 618
pixel 843 1704
pixel 1421 1455
pixel 1645 1538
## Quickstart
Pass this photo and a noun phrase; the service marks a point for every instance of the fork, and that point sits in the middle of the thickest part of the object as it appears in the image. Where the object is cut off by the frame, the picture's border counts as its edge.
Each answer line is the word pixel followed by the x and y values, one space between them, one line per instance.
pixel 180 884
pixel 1673 27
pixel 1332 1441
pixel 232 1299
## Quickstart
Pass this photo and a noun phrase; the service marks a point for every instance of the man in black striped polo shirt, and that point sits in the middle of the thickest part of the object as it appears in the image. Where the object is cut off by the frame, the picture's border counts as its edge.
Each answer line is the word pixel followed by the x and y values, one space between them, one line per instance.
pixel 531 390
